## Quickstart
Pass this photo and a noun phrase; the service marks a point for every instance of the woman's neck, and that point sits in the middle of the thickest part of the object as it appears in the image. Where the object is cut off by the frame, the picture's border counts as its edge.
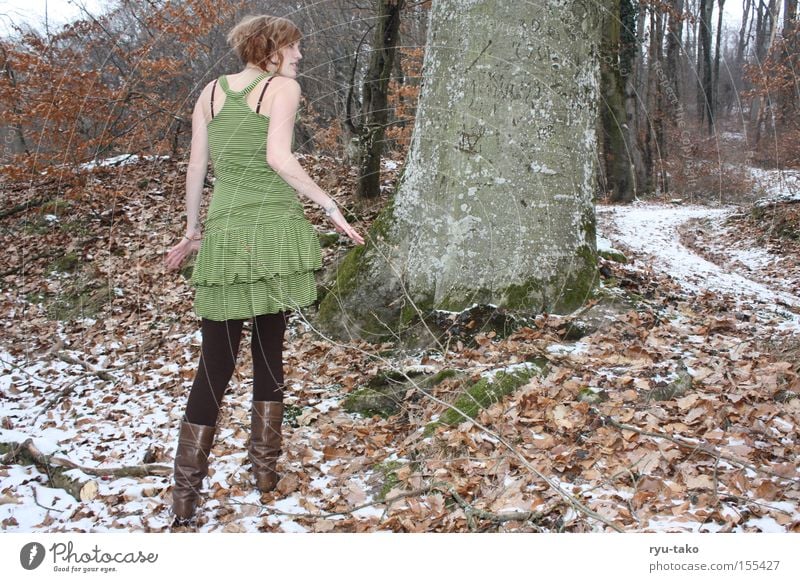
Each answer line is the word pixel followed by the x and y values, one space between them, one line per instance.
pixel 257 70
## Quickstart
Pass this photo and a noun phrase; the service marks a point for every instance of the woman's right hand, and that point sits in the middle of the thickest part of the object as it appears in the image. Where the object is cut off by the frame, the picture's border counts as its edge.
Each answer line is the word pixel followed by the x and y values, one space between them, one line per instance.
pixel 180 251
pixel 343 227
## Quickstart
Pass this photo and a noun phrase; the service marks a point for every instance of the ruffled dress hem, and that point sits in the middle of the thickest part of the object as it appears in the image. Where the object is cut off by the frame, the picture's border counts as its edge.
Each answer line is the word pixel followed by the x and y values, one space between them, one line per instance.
pixel 244 271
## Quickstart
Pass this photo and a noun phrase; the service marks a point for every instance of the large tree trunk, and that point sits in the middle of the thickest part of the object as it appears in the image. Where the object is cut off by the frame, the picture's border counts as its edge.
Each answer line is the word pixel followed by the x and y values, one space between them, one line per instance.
pixel 495 201
pixel 374 107
pixel 788 99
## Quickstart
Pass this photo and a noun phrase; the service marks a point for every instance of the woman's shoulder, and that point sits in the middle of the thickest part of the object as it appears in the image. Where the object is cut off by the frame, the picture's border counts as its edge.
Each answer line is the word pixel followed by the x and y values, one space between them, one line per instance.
pixel 206 91
pixel 286 83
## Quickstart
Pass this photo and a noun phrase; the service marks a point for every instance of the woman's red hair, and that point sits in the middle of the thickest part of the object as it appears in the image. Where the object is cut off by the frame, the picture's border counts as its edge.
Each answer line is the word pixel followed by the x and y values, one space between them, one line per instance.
pixel 256 39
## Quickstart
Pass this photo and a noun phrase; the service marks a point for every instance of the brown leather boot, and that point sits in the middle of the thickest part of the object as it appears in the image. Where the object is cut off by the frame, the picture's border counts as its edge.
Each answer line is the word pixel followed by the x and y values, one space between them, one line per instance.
pixel 191 467
pixel 265 443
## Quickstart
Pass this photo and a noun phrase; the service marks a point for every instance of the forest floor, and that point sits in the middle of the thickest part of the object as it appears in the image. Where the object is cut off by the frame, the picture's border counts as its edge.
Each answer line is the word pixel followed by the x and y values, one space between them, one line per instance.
pixel 693 428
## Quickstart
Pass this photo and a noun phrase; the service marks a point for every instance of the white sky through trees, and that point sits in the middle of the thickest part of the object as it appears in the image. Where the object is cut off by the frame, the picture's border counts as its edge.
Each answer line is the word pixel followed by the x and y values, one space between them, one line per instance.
pixel 60 12
pixel 32 12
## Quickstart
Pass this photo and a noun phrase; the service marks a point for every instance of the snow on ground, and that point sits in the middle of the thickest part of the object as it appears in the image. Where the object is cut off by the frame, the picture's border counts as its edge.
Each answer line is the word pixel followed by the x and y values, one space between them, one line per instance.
pixel 107 439
pixel 121 160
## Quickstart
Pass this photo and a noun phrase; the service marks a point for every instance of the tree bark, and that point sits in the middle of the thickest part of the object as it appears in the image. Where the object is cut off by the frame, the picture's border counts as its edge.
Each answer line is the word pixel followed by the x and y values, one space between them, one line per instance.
pixel 788 99
pixel 765 34
pixel 618 141
pixel 375 102
pixel 717 50
pixel 704 92
pixel 494 204
pixel 635 87
pixel 674 34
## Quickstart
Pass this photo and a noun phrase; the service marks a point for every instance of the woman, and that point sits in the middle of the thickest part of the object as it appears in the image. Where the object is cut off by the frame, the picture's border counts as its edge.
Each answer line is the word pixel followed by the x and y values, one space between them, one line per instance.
pixel 257 251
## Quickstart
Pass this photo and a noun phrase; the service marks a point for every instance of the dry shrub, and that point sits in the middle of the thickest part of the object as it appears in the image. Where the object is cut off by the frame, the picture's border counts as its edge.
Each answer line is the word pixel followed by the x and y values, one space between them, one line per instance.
pixel 711 169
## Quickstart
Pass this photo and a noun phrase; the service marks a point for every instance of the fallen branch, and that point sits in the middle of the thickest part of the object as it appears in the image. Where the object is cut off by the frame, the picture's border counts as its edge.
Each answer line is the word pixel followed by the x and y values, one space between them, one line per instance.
pixel 28 260
pixel 25 205
pixel 26 453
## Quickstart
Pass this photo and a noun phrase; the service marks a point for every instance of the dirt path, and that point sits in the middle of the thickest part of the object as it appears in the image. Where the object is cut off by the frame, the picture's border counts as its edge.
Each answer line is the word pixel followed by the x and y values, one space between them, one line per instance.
pixel 651 232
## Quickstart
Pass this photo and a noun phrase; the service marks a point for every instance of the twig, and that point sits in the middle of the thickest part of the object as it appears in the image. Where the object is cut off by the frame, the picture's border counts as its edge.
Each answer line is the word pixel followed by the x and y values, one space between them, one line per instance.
pixel 501 517
pixel 745 500
pixel 103 374
pixel 695 446
pixel 25 205
pixel 36 501
pixel 63 393
pixel 435 486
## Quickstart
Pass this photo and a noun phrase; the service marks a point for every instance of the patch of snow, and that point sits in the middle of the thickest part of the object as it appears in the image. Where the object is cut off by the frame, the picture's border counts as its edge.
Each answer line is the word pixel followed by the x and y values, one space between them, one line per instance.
pixel 603 244
pixel 474 305
pixel 578 347
pixel 327 404
pixel 369 511
pixel 779 185
pixel 786 426
pixel 292 527
pixel 121 160
pixel 766 524
pixel 46 442
pixel 731 136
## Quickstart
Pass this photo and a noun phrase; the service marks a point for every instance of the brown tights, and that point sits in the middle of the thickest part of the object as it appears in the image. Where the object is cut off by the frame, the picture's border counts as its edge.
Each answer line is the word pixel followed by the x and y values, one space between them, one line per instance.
pixel 218 354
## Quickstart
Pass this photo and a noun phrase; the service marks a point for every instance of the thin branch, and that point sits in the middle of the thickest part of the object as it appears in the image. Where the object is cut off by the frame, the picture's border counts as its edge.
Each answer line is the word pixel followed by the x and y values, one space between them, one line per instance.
pixel 696 447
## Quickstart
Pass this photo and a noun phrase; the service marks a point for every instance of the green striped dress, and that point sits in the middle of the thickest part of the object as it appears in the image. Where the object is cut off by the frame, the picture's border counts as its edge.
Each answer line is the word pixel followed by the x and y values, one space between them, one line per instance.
pixel 259 252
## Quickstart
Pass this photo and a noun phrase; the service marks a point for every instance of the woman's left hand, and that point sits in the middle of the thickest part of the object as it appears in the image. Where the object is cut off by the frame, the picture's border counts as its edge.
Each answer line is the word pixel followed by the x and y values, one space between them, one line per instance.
pixel 180 251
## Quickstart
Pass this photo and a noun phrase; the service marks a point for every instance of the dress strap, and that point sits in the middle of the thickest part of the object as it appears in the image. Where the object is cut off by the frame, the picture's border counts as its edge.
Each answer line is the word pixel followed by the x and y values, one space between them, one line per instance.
pixel 255 82
pixel 214 86
pixel 223 82
pixel 264 90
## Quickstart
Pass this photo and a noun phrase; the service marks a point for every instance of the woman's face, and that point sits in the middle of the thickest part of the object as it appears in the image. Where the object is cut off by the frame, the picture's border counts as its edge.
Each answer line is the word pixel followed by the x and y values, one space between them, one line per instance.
pixel 291 56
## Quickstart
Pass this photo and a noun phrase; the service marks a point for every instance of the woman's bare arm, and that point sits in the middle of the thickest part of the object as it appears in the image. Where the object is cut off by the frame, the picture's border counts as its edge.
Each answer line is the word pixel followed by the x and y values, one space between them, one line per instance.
pixel 198 167
pixel 279 143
